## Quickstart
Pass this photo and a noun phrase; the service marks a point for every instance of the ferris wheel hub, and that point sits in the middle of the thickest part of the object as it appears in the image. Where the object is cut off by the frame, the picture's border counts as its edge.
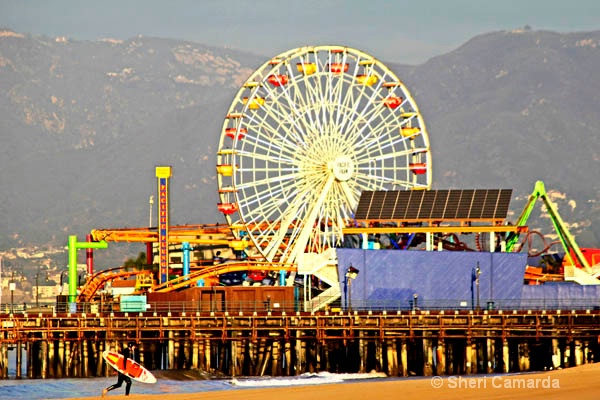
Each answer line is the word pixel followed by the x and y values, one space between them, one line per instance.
pixel 343 168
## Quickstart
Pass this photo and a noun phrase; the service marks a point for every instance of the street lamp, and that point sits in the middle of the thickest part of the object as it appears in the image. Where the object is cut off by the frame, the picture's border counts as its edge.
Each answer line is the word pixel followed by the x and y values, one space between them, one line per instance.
pixel 62 283
pixel 475 272
pixel 12 286
pixel 37 288
pixel 0 283
pixel 351 274
pixel 478 272
pixel 151 201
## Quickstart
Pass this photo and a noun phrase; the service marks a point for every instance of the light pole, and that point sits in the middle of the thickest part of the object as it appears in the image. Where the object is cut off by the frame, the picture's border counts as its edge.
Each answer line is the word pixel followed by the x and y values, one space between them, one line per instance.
pixel 12 286
pixel 415 302
pixel 477 273
pixel 62 275
pixel 351 274
pixel 151 202
pixel 37 289
pixel 0 283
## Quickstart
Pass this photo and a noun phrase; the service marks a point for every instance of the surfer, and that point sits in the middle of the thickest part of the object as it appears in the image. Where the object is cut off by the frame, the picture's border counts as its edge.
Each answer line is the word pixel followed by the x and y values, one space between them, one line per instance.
pixel 128 352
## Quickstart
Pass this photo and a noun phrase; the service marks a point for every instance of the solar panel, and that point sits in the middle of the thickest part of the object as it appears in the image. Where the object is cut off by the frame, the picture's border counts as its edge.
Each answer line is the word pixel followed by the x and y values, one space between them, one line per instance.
pixel 464 205
pixel 378 199
pixel 489 207
pixel 401 204
pixel 503 202
pixel 414 205
pixel 452 204
pixel 427 205
pixel 439 204
pixel 364 203
pixel 479 199
pixel 387 211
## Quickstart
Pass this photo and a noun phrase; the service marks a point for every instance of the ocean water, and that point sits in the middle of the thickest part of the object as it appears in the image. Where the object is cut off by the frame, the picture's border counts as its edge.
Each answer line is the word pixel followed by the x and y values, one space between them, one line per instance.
pixel 168 382
pixel 84 387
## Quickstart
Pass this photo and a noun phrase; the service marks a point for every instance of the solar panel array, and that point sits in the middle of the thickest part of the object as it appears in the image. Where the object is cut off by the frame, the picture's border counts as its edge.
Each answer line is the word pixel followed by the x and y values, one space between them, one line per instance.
pixel 438 205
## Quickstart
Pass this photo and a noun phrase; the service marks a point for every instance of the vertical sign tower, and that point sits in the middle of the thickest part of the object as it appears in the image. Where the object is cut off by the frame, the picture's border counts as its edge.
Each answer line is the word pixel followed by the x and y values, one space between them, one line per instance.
pixel 163 173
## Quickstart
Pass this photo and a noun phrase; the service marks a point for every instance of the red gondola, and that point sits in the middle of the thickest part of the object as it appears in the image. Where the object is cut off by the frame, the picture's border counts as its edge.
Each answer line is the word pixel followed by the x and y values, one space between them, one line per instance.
pixel 338 68
pixel 227 208
pixel 257 276
pixel 230 132
pixel 278 80
pixel 392 102
pixel 418 168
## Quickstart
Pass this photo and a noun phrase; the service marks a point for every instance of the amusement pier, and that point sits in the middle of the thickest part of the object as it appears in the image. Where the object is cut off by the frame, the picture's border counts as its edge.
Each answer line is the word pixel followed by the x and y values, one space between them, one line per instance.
pixel 280 343
pixel 335 255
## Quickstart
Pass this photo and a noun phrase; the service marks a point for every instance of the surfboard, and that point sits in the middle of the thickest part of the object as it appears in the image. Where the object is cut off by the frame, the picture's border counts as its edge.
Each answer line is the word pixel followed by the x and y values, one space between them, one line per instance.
pixel 132 369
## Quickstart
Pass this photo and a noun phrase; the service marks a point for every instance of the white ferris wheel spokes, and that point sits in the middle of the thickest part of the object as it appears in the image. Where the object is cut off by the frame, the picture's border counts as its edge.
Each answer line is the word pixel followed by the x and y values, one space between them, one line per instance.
pixel 305 135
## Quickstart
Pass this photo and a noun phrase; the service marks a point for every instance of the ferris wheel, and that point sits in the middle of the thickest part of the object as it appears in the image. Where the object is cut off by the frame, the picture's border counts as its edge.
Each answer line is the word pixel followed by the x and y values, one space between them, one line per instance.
pixel 307 132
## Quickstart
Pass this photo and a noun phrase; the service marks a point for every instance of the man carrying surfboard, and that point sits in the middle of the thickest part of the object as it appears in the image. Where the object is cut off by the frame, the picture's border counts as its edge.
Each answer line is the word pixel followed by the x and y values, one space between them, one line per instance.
pixel 128 352
pixel 125 363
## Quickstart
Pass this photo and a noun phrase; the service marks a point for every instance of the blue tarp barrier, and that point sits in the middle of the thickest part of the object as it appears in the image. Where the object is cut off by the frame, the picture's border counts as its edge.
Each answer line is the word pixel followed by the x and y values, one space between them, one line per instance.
pixel 392 278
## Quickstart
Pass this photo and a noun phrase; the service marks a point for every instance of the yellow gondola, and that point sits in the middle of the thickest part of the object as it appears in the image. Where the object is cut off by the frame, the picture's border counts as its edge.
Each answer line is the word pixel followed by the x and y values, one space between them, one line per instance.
pixel 225 169
pixel 368 80
pixel 307 68
pixel 408 131
pixel 255 104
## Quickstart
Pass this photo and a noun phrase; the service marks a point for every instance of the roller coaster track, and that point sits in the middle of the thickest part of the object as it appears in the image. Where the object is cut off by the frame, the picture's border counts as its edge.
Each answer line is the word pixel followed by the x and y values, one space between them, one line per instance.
pixel 177 234
pixel 533 274
pixel 214 271
pixel 99 279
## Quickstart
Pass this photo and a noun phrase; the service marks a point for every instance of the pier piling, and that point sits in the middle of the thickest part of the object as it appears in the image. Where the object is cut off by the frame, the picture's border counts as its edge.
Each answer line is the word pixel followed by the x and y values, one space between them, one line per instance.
pixel 271 343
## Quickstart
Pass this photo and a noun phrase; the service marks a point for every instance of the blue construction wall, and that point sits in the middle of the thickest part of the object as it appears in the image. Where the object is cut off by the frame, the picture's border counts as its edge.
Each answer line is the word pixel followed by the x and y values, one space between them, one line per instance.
pixel 561 295
pixel 389 279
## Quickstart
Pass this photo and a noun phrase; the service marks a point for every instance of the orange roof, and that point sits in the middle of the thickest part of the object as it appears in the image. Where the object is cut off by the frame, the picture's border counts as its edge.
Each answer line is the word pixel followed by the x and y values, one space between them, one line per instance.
pixel 123 283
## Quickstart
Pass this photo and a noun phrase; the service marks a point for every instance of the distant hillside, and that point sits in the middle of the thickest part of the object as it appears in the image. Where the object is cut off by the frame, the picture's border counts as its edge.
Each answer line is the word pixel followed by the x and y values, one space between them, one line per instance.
pixel 509 108
pixel 84 123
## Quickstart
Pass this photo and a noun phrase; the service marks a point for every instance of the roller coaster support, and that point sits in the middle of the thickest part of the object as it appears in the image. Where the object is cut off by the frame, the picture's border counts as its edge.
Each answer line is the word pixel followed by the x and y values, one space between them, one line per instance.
pixel 567 240
pixel 185 246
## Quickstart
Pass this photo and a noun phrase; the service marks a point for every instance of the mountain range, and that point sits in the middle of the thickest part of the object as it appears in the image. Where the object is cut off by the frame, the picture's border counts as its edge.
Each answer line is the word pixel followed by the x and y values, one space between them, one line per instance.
pixel 84 123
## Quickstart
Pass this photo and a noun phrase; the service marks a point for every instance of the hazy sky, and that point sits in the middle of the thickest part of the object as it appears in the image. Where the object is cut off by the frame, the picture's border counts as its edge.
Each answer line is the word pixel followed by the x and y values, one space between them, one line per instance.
pixel 392 30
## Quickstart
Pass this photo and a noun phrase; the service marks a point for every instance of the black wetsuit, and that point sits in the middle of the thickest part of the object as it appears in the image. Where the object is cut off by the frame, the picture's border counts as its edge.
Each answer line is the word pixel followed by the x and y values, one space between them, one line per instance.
pixel 122 377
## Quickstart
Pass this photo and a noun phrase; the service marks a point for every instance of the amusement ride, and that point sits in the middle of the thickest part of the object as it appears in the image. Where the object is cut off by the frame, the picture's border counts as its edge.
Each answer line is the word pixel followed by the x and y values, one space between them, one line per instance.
pixel 305 136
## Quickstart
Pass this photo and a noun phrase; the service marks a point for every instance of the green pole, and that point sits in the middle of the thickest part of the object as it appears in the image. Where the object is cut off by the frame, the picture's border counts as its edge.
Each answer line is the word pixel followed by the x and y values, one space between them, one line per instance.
pixel 72 268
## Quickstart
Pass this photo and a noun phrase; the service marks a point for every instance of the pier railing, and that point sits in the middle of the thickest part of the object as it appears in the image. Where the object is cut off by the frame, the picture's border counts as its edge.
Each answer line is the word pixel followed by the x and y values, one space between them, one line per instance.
pixel 379 305
pixel 258 338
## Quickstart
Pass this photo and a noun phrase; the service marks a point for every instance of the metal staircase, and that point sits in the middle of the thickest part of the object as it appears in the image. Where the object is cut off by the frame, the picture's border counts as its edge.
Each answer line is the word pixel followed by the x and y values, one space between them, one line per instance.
pixel 324 267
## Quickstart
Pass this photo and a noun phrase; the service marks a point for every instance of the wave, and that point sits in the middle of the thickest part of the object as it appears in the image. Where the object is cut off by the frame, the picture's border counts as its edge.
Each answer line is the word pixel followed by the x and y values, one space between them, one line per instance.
pixel 319 378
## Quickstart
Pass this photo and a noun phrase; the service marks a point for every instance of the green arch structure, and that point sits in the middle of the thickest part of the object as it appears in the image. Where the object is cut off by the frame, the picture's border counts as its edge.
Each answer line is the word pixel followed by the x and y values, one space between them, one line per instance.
pixel 74 245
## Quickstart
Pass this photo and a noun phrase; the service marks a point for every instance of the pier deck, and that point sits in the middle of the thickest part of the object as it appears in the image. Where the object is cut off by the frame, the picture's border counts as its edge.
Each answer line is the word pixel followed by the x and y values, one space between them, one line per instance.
pixel 399 343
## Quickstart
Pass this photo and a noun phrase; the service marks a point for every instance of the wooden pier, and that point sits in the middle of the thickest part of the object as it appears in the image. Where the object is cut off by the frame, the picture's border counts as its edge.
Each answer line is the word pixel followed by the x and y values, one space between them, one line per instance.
pixel 279 343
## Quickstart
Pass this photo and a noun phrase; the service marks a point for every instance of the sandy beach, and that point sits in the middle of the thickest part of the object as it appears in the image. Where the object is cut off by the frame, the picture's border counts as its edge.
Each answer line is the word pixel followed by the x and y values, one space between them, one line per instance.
pixel 574 383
